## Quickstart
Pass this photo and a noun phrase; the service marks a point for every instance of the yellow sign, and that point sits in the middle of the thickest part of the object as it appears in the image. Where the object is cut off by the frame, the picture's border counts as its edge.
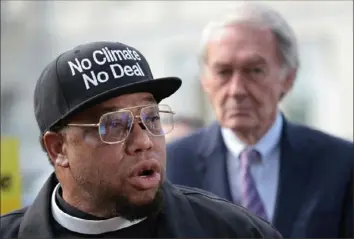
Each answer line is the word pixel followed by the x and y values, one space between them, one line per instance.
pixel 10 182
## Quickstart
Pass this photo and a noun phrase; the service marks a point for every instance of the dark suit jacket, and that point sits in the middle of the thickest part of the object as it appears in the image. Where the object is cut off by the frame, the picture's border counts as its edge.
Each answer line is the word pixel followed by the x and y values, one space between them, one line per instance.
pixel 315 192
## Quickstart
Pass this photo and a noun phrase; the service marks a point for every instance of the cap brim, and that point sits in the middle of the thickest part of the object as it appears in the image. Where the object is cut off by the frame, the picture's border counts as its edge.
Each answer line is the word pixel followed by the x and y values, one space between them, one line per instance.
pixel 160 88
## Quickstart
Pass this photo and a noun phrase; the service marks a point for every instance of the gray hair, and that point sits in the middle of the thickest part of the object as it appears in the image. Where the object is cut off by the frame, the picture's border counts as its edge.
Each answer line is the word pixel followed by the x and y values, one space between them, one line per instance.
pixel 262 16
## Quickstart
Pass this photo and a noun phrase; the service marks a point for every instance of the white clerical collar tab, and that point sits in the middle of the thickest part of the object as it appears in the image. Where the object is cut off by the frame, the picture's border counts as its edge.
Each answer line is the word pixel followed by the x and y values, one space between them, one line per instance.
pixel 91 227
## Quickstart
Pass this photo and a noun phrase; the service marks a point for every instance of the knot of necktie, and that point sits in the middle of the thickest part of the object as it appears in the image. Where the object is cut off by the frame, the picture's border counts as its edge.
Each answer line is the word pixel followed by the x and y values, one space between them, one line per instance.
pixel 249 156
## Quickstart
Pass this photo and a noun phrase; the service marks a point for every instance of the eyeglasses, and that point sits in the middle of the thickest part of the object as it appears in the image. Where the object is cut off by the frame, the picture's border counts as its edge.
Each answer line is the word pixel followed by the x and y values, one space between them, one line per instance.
pixel 114 127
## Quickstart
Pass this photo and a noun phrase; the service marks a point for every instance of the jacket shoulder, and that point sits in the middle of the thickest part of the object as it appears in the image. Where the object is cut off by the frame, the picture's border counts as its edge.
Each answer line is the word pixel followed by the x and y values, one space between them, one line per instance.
pixel 226 218
pixel 323 139
pixel 10 223
pixel 184 154
pixel 189 141
pixel 187 148
pixel 326 144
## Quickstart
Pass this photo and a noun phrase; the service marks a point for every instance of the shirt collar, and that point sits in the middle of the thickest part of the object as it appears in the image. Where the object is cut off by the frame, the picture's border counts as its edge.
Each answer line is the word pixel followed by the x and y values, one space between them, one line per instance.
pixel 68 209
pixel 264 146
pixel 92 227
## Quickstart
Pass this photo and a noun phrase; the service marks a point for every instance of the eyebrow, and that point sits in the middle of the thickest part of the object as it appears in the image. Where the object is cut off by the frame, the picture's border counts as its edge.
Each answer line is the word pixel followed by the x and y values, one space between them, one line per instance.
pixel 218 65
pixel 256 60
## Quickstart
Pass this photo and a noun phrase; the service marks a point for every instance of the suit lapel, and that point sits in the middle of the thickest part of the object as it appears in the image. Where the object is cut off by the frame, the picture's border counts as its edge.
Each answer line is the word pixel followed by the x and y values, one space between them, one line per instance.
pixel 213 164
pixel 294 176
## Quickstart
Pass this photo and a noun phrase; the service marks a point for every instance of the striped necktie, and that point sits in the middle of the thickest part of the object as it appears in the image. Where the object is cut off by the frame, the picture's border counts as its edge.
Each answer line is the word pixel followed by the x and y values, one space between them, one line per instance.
pixel 250 196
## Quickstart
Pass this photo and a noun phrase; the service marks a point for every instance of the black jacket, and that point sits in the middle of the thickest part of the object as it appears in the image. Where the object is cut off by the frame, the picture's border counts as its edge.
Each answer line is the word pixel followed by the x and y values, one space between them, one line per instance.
pixel 187 213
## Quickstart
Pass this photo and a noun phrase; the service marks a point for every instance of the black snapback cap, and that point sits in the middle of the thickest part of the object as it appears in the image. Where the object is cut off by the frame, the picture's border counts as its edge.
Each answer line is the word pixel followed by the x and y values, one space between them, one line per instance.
pixel 90 74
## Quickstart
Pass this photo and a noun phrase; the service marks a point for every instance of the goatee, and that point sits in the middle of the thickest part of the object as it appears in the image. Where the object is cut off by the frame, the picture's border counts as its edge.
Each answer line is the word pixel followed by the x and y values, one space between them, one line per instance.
pixel 130 211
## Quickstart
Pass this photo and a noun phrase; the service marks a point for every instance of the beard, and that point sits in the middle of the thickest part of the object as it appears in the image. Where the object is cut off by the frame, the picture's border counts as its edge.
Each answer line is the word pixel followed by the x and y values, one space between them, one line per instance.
pixel 118 204
pixel 131 211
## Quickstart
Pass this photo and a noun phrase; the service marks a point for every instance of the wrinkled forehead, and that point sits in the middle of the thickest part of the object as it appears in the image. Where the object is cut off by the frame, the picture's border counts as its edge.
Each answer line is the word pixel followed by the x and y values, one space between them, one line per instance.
pixel 117 103
pixel 241 43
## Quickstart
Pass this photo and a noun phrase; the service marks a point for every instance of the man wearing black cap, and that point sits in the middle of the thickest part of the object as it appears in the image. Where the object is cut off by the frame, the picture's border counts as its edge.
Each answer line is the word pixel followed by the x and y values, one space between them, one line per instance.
pixel 101 126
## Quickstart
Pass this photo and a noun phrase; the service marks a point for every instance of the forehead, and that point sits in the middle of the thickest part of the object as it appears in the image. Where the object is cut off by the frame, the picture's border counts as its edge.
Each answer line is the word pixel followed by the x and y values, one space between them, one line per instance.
pixel 243 43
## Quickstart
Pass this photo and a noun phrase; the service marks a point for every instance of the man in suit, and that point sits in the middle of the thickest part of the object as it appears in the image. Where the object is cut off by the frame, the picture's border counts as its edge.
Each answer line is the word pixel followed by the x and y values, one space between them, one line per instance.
pixel 298 178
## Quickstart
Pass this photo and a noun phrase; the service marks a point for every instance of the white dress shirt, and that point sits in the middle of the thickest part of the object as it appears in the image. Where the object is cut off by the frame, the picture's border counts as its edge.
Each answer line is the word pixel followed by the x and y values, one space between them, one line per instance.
pixel 265 173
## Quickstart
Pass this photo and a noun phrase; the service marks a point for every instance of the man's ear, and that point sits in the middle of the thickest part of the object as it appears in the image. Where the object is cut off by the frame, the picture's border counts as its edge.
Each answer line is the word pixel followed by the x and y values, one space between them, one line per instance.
pixel 54 144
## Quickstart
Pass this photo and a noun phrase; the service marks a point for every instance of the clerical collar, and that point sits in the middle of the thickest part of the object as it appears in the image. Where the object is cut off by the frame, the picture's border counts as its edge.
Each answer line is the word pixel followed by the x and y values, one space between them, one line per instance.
pixel 81 222
pixel 66 207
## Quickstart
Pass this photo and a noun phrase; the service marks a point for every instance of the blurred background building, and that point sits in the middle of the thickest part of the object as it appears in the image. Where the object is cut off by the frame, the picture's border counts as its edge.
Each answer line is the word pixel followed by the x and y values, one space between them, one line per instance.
pixel 167 33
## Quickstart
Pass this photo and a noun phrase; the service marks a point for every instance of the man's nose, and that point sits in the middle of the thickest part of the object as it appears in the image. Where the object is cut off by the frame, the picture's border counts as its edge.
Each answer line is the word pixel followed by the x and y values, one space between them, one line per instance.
pixel 236 85
pixel 138 140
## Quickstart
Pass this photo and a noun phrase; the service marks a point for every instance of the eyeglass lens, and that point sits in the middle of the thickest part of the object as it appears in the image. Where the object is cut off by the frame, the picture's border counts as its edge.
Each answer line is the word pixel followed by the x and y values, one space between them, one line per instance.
pixel 115 126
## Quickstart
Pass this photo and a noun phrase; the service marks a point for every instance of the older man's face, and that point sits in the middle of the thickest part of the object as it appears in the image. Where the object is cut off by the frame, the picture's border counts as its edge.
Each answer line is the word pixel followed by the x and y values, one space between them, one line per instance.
pixel 130 172
pixel 243 76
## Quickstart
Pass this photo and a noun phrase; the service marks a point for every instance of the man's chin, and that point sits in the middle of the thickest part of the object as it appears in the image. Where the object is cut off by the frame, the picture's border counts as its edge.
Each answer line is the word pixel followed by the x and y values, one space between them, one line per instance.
pixel 143 197
pixel 240 124
pixel 142 204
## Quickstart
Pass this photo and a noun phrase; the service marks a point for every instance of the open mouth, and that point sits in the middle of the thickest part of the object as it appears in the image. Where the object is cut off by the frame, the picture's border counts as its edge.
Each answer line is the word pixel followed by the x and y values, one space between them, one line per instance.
pixel 146 173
